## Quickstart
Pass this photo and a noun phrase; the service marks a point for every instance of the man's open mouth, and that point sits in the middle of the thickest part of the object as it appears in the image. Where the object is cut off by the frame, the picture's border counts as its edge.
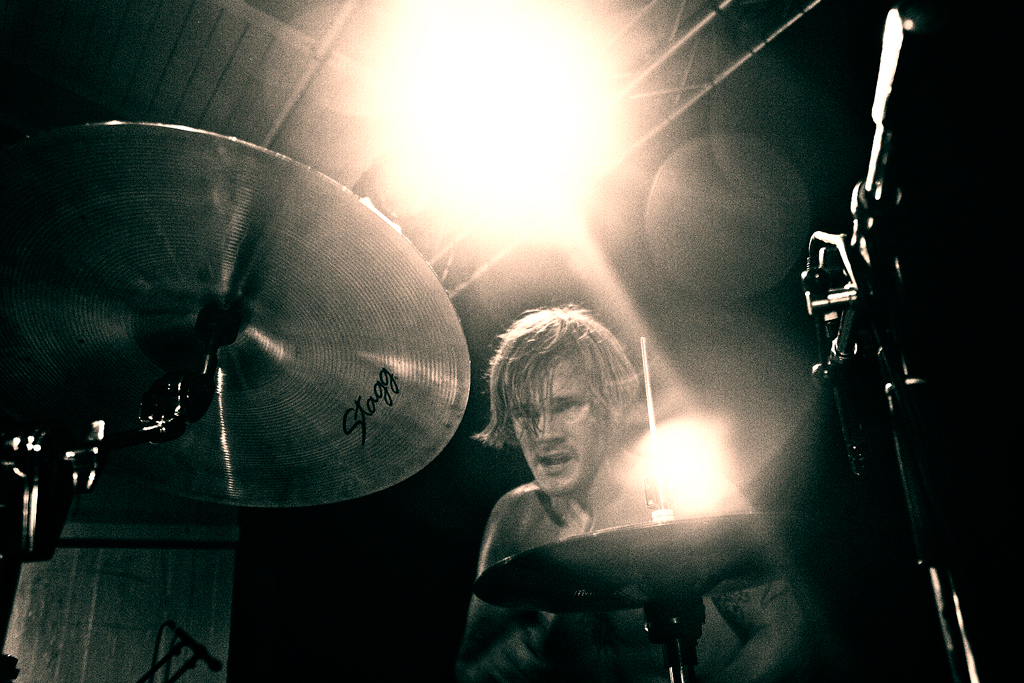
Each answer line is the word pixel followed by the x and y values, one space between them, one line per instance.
pixel 554 460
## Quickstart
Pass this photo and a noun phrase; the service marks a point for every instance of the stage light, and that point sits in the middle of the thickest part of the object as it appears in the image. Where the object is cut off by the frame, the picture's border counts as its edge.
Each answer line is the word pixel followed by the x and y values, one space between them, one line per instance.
pixel 497 107
pixel 694 469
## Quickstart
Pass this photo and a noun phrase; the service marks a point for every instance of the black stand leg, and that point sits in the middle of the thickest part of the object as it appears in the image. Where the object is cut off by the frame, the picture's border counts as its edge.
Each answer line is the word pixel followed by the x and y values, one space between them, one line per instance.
pixel 8 668
pixel 11 533
pixel 10 573
pixel 676 625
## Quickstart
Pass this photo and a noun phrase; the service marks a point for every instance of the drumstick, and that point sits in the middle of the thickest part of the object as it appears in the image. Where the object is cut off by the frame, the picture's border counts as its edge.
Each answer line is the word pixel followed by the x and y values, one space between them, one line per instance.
pixel 660 510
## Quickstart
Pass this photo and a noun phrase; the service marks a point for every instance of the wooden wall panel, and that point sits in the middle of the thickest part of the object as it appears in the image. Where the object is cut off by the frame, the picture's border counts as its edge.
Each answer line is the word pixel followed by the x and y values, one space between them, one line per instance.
pixel 228 34
pixel 153 57
pixel 219 65
pixel 282 70
pixel 236 84
pixel 91 615
pixel 104 29
pixel 125 60
pixel 190 49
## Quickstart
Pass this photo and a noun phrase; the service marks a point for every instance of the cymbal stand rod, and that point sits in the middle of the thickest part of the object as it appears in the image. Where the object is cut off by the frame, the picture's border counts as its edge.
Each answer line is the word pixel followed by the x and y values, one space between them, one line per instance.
pixel 861 417
pixel 676 625
pixel 679 671
pixel 927 523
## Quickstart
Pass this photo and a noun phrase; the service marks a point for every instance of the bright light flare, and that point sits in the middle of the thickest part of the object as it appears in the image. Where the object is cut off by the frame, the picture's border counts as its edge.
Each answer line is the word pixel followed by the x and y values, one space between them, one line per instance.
pixel 498 103
pixel 693 467
pixel 892 42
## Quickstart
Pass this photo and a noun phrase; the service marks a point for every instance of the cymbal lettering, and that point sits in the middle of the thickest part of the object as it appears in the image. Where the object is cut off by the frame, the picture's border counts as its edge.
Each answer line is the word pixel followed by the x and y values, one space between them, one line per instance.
pixel 383 388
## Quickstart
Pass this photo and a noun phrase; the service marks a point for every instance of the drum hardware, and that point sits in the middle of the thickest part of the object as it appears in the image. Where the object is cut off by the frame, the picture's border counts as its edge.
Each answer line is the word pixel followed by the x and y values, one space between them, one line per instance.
pixel 153 247
pixel 664 567
pixel 676 625
pixel 180 398
pixel 853 286
pixel 43 468
pixel 270 297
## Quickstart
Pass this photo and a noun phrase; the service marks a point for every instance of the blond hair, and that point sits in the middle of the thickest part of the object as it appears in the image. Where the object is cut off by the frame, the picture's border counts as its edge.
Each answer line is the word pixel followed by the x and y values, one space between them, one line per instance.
pixel 520 371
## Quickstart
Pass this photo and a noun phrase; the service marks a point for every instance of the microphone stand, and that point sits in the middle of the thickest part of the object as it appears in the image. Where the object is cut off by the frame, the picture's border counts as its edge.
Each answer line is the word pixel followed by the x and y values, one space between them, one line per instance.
pixel 171 654
pixel 181 640
pixel 42 467
pixel 853 282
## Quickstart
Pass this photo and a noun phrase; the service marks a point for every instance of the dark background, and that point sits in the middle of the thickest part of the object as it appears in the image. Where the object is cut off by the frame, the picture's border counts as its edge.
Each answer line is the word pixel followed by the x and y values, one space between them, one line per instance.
pixel 377 588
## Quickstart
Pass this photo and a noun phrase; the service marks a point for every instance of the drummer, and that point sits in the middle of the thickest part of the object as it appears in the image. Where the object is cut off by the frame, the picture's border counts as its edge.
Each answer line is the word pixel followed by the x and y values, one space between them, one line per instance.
pixel 562 389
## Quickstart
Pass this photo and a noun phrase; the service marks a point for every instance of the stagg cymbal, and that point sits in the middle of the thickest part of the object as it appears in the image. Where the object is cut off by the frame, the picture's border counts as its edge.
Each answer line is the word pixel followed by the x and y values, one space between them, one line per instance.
pixel 629 566
pixel 350 371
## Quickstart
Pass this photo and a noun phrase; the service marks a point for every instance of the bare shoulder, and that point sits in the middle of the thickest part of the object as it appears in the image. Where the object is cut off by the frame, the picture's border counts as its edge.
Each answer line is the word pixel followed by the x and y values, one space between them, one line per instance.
pixel 514 508
pixel 520 495
pixel 517 522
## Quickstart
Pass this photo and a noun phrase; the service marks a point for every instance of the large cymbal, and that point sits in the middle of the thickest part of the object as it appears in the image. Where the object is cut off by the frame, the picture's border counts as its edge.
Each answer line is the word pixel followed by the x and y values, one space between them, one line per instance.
pixel 114 236
pixel 626 567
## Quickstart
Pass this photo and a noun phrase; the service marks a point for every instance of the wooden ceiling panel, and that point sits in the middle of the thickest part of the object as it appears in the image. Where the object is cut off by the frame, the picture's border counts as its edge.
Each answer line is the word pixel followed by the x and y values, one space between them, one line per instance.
pixel 217 65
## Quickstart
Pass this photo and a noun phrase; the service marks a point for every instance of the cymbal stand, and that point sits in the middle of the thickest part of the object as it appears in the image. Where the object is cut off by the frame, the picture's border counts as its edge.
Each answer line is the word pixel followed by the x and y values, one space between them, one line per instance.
pixel 43 467
pixel 854 284
pixel 676 624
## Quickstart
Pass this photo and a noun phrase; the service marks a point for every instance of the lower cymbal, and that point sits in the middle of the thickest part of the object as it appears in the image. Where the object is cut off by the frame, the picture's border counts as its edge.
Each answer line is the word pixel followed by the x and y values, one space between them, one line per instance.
pixel 627 567
pixel 350 370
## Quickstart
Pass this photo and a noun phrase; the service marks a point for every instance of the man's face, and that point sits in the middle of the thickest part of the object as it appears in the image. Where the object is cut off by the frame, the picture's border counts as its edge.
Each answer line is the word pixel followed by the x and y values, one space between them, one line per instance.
pixel 565 440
